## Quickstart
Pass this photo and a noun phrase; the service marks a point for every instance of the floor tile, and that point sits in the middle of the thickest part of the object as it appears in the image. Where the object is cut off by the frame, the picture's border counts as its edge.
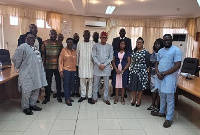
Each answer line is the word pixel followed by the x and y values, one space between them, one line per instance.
pixel 178 132
pixel 87 114
pixel 22 116
pixel 11 133
pixel 134 132
pixel 106 114
pixel 8 115
pixel 3 123
pixel 36 133
pixel 61 133
pixel 87 124
pixel 125 114
pixel 110 132
pixel 129 124
pixel 40 125
pixel 109 124
pixel 64 125
pixel 67 115
pixel 47 116
pixel 21 125
pixel 86 132
pixel 156 132
pixel 150 124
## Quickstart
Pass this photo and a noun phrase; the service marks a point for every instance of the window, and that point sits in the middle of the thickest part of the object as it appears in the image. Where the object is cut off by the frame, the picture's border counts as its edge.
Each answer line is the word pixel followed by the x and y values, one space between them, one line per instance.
pixel 47 26
pixel 13 20
pixel 40 23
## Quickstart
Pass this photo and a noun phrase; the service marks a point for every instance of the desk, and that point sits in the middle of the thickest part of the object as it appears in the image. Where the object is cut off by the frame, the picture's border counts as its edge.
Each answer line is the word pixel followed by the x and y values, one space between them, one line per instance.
pixel 189 88
pixel 8 84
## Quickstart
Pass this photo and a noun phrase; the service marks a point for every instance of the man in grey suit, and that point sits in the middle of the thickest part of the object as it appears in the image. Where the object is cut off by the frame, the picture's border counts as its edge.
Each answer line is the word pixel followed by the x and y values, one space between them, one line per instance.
pixel 115 44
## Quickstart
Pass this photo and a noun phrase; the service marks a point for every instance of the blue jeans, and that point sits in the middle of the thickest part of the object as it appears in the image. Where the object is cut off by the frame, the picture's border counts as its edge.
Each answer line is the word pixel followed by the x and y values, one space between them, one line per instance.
pixel 68 83
pixel 167 99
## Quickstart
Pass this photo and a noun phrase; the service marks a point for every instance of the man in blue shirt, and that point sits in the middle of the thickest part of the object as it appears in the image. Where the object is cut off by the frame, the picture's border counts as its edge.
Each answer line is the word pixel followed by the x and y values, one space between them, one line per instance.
pixel 167 66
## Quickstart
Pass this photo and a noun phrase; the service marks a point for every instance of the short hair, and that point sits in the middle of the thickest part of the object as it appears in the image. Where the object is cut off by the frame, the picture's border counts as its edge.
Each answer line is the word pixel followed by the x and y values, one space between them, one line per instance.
pixel 28 33
pixel 69 39
pixel 32 24
pixel 168 35
pixel 159 40
pixel 76 34
pixel 53 30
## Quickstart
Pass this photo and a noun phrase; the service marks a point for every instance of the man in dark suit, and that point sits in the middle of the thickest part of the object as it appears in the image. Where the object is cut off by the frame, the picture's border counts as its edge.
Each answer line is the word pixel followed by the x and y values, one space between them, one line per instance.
pixel 115 45
pixel 38 41
pixel 32 29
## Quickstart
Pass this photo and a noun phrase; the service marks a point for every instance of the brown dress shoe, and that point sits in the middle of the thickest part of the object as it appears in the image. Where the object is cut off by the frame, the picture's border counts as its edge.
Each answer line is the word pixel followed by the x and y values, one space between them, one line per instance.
pixel 107 102
pixel 93 101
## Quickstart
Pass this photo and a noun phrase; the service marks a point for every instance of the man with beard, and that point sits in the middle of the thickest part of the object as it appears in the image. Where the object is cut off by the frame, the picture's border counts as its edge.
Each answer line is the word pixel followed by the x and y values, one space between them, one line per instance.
pixel 167 66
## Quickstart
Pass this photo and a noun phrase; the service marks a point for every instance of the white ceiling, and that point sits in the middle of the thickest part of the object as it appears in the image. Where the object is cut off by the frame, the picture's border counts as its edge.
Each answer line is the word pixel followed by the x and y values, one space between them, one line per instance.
pixel 133 8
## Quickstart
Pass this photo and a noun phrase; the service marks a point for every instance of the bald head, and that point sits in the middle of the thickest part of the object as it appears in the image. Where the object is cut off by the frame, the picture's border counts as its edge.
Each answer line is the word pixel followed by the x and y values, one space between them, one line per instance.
pixel 122 32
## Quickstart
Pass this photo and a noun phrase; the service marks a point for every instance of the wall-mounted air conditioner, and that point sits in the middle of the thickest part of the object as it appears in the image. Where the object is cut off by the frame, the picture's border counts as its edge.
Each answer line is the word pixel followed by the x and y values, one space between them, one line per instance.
pixel 98 24
pixel 180 40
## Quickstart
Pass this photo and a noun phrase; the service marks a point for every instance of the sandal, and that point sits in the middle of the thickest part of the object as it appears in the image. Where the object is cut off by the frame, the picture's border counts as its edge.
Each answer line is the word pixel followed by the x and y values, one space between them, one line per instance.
pixel 116 100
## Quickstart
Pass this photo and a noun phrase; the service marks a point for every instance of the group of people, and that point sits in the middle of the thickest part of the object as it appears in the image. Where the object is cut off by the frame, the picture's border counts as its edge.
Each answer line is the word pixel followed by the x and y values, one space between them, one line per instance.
pixel 84 63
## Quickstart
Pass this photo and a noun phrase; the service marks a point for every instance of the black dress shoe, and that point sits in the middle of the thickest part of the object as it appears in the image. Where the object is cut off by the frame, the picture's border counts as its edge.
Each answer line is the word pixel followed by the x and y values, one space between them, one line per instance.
pixel 78 95
pixel 28 111
pixel 81 99
pixel 54 95
pixel 93 101
pixel 68 102
pixel 37 101
pixel 125 96
pixel 113 94
pixel 45 101
pixel 89 100
pixel 59 100
pixel 132 103
pixel 35 108
pixel 158 114
pixel 107 102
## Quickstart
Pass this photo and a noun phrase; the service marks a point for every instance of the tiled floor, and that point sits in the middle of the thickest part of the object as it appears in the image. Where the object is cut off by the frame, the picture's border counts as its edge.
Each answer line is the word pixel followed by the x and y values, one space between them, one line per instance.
pixel 99 119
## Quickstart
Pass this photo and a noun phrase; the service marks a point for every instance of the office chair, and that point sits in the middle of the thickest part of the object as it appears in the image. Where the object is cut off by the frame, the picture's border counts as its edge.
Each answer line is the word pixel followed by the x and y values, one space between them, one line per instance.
pixel 190 65
pixel 5 57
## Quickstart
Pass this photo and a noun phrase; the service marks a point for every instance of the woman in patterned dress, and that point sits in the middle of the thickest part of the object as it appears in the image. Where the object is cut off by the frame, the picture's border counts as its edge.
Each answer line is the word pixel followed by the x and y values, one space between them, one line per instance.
pixel 138 76
pixel 121 62
pixel 158 44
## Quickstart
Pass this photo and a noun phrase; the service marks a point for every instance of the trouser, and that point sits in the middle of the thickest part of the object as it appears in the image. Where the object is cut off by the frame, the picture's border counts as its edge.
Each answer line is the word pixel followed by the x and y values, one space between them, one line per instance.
pixel 29 98
pixel 49 75
pixel 167 100
pixel 83 87
pixel 68 82
pixel 77 82
pixel 95 87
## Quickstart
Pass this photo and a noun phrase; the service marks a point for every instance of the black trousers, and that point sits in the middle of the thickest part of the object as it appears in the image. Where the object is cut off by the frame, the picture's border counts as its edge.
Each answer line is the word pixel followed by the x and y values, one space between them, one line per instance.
pixel 49 75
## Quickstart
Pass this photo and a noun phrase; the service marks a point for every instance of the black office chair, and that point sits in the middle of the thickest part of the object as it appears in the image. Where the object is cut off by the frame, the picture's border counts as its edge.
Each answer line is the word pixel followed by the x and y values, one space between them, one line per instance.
pixel 5 57
pixel 190 65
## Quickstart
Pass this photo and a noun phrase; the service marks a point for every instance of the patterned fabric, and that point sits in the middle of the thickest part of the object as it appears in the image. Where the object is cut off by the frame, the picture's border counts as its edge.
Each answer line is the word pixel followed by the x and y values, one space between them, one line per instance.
pixel 37 52
pixel 52 51
pixel 31 70
pixel 140 60
pixel 153 60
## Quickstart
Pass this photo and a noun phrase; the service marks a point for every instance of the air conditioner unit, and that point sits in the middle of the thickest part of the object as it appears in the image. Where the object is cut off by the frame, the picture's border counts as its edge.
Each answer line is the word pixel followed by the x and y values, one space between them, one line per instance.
pixel 180 40
pixel 98 24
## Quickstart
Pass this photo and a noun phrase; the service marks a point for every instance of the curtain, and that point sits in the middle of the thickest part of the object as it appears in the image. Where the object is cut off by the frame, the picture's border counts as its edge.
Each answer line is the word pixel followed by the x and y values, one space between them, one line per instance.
pixel 150 35
pixel 54 20
pixel 191 26
pixel 2 46
pixel 190 46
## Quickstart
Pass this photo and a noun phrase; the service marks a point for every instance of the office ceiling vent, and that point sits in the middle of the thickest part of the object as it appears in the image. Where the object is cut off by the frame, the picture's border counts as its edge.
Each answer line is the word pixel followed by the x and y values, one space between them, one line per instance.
pixel 98 24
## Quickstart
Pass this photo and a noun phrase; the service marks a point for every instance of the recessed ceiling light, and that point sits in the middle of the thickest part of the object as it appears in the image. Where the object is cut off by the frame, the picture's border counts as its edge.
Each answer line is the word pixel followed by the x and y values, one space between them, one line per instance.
pixel 110 9
pixel 119 2
pixel 198 1
pixel 94 1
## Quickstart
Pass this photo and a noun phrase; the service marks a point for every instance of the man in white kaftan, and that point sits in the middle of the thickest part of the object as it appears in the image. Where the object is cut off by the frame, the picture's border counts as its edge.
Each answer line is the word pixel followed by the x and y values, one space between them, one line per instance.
pixel 85 65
